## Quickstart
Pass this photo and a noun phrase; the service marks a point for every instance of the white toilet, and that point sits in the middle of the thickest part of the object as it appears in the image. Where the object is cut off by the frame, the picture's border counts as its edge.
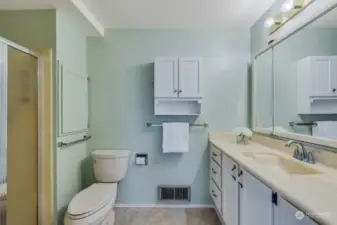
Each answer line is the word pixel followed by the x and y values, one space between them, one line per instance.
pixel 94 205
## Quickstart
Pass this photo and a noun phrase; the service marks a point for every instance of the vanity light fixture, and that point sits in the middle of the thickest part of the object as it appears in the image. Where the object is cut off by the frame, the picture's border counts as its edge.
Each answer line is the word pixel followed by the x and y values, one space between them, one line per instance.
pixel 269 22
pixel 289 9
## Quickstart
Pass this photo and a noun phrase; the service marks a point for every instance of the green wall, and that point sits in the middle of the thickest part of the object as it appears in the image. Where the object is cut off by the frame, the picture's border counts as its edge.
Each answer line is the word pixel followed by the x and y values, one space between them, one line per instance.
pixel 121 68
pixel 31 28
pixel 71 52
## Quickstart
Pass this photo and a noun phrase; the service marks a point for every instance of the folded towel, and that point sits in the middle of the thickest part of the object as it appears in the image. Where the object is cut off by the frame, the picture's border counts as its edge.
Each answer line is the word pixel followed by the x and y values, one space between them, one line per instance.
pixel 176 137
pixel 3 190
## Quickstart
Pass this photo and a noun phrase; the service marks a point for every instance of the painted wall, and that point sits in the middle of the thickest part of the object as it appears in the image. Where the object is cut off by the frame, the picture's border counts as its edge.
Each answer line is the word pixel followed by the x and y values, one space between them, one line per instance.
pixel 71 52
pixel 121 103
pixel 31 28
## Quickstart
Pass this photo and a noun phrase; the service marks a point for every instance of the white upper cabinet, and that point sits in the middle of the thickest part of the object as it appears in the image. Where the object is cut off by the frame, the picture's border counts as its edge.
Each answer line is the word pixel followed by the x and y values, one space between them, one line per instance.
pixel 72 102
pixel 189 77
pixel 166 77
pixel 286 214
pixel 317 81
pixel 256 207
pixel 177 77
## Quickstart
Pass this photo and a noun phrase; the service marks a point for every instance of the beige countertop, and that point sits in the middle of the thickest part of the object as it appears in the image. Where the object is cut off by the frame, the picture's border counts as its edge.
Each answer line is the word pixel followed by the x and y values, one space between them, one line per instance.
pixel 315 195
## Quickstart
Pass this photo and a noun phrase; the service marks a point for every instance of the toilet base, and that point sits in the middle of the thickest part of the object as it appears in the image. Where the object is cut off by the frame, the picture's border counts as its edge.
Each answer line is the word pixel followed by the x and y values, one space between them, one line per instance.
pixel 108 220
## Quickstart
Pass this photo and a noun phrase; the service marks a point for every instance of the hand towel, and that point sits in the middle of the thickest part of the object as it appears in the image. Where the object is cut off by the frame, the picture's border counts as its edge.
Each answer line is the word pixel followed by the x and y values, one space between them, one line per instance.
pixel 176 137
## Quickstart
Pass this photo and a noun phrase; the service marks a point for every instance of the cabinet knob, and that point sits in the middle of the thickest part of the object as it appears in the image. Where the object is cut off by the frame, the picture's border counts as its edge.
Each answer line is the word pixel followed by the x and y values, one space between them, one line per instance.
pixel 180 91
pixel 234 178
pixel 213 171
pixel 214 195
pixel 334 90
pixel 175 91
pixel 213 154
pixel 234 167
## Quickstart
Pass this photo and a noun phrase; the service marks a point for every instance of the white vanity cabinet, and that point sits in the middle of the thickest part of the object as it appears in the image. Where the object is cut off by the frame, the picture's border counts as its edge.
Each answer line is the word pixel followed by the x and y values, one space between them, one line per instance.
pixel 230 191
pixel 287 214
pixel 177 77
pixel 242 199
pixel 256 206
pixel 215 177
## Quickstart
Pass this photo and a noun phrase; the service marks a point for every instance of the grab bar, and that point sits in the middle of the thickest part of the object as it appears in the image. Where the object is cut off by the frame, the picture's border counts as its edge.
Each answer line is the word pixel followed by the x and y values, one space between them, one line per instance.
pixel 64 144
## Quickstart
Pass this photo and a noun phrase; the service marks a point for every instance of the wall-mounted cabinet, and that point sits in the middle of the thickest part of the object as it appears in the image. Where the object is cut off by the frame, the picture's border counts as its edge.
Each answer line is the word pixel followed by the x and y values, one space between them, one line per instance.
pixel 242 199
pixel 177 86
pixel 317 85
pixel 72 102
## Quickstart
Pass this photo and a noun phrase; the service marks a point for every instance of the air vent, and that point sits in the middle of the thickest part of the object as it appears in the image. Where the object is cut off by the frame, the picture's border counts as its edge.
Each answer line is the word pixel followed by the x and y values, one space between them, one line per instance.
pixel 175 193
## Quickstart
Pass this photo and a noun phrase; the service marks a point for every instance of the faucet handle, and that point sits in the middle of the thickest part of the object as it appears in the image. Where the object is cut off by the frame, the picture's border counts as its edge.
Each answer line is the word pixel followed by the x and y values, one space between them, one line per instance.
pixel 311 158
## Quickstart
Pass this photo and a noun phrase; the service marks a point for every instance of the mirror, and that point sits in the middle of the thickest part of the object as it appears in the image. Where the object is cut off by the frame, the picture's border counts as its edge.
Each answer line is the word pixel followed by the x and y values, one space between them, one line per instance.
pixel 264 91
pixel 305 80
pixel 295 84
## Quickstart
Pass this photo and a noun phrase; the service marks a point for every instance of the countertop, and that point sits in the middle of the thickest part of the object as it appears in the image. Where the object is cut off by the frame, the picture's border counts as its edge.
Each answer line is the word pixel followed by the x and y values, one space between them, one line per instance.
pixel 315 195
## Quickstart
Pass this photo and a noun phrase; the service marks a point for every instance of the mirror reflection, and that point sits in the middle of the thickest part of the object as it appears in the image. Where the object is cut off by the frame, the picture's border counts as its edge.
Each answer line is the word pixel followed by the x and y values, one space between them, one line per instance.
pixel 305 80
pixel 264 99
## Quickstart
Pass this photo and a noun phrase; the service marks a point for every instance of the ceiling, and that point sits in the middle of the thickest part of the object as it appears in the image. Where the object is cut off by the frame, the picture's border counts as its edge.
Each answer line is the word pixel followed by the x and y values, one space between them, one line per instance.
pixel 161 13
pixel 178 13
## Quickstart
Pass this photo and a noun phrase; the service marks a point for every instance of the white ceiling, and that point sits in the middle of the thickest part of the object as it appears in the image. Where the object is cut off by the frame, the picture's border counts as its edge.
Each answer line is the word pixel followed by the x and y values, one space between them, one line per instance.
pixel 177 13
pixel 161 13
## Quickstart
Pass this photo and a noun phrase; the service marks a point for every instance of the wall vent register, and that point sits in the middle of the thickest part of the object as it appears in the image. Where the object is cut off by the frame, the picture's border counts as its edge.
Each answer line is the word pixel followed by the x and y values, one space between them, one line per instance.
pixel 174 193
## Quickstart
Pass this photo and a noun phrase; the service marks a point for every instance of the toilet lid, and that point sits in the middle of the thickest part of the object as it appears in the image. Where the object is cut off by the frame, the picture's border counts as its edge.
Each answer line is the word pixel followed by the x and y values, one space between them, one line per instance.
pixel 92 198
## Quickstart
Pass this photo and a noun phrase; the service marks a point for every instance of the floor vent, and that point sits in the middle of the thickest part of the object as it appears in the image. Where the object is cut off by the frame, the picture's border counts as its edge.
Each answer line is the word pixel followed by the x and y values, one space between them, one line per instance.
pixel 175 193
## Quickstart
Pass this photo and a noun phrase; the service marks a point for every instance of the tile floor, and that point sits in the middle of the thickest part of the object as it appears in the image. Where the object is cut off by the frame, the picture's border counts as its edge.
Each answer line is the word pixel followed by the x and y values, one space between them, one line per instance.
pixel 161 216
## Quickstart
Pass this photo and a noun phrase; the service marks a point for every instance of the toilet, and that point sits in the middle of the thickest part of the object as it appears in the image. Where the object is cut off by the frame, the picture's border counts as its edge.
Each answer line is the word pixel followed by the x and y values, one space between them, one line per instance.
pixel 94 205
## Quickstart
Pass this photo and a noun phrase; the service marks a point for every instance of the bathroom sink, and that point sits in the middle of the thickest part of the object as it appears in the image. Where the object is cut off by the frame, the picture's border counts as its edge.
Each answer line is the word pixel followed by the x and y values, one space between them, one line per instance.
pixel 290 166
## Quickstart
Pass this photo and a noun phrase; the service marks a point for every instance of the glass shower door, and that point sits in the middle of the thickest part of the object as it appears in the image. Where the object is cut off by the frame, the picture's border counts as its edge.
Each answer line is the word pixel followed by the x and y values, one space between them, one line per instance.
pixel 22 138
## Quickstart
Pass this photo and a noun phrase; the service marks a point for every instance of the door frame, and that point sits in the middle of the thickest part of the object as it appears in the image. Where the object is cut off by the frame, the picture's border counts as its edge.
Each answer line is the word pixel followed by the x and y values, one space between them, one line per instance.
pixel 45 129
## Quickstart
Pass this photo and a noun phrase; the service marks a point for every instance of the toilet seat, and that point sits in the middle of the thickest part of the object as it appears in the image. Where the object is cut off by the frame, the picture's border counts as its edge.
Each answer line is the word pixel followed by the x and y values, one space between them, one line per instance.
pixel 92 199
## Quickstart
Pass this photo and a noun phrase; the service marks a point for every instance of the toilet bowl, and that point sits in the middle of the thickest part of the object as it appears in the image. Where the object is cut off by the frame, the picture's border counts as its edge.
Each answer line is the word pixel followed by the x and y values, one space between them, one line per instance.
pixel 94 205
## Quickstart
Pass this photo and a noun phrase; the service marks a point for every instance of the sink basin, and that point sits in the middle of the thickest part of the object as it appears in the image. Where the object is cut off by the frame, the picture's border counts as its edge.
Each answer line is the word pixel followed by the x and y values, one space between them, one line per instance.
pixel 290 166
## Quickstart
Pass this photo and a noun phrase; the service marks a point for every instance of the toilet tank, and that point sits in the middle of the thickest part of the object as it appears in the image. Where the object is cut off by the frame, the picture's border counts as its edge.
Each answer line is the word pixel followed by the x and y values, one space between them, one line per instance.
pixel 110 165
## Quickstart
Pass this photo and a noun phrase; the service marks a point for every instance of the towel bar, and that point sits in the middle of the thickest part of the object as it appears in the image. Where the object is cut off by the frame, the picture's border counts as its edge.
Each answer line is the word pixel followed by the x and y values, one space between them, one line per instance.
pixel 192 125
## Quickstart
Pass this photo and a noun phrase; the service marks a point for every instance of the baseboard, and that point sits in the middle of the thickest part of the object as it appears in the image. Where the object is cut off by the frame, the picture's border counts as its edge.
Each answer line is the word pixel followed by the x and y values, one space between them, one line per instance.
pixel 199 206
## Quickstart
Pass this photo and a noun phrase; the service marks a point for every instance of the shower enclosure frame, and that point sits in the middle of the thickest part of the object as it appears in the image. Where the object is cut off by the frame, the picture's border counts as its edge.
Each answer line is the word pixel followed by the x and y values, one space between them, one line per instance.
pixel 3 120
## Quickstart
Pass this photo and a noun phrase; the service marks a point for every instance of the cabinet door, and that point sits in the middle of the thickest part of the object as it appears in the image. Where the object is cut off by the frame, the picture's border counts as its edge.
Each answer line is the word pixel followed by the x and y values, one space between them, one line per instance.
pixel 230 192
pixel 256 205
pixel 324 76
pixel 286 214
pixel 189 77
pixel 72 102
pixel 166 78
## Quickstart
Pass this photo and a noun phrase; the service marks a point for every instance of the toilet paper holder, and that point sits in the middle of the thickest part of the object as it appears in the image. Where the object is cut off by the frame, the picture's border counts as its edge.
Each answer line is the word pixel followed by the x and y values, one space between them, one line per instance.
pixel 141 159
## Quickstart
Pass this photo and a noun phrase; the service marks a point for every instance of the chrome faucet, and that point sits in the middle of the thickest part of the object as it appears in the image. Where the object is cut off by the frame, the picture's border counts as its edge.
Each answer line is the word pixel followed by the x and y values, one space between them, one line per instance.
pixel 300 152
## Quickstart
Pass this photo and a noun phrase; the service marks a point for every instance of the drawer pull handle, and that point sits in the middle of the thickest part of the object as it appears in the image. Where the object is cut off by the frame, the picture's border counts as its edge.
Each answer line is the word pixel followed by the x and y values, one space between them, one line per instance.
pixel 234 167
pixel 213 154
pixel 214 195
pixel 240 173
pixel 213 171
pixel 234 178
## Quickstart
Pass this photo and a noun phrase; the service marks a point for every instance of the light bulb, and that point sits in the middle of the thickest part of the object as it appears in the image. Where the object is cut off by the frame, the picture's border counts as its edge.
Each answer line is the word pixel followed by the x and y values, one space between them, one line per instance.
pixel 287 6
pixel 269 22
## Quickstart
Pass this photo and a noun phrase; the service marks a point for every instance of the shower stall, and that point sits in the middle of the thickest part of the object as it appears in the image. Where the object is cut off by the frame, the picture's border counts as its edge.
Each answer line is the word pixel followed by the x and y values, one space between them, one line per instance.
pixel 19 134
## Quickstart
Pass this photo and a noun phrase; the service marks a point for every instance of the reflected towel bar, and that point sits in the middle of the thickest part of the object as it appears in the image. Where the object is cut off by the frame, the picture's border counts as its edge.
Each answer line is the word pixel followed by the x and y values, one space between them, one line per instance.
pixel 192 125
pixel 63 144
pixel 292 124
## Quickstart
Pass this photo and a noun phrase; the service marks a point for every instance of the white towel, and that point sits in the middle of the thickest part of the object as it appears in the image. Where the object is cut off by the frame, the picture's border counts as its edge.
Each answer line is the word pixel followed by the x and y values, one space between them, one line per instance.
pixel 176 137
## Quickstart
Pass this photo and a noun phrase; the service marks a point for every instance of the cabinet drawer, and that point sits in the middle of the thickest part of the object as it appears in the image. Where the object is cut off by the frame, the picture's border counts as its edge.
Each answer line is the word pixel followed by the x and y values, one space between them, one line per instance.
pixel 216 195
pixel 216 154
pixel 216 173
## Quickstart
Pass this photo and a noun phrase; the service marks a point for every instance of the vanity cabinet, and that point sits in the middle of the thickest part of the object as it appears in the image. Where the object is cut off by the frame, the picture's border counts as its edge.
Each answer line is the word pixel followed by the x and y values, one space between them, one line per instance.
pixel 230 191
pixel 242 199
pixel 256 207
pixel 287 214
pixel 177 77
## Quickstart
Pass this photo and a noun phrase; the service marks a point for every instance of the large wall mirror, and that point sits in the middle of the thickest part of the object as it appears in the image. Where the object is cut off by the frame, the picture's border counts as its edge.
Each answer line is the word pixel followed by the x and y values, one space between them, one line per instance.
pixel 303 83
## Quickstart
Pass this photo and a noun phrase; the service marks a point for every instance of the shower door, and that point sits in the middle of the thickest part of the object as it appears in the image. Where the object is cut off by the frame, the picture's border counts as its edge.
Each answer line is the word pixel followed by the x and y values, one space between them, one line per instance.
pixel 22 138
